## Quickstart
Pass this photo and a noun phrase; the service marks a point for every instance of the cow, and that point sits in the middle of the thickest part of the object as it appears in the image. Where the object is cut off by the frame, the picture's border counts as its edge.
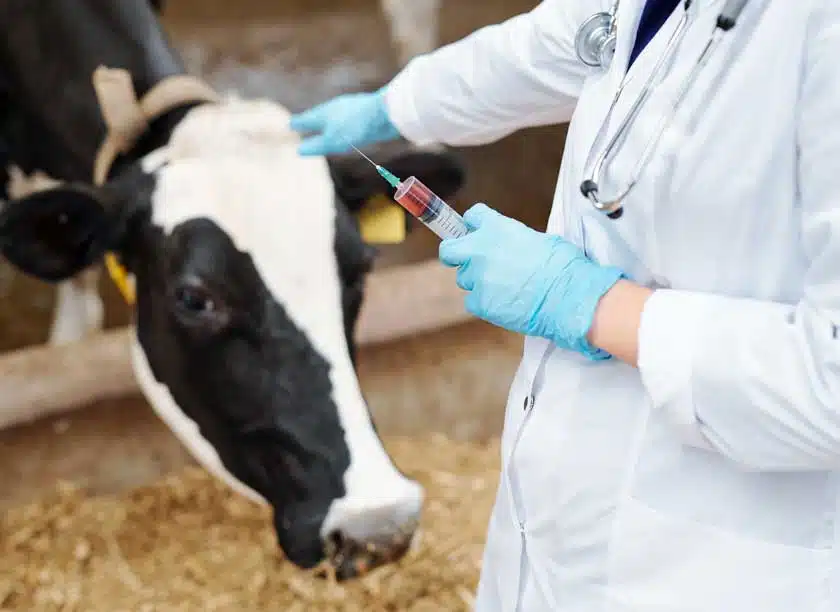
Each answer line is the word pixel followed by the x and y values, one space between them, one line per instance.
pixel 79 310
pixel 413 25
pixel 247 263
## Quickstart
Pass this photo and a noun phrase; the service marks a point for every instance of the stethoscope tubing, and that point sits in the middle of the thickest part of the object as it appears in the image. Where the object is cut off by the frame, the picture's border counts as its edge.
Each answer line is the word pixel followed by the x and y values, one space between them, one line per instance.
pixel 613 207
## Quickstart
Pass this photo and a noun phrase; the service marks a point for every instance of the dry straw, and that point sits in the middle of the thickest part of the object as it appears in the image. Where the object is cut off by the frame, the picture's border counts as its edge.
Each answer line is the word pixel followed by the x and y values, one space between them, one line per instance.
pixel 188 543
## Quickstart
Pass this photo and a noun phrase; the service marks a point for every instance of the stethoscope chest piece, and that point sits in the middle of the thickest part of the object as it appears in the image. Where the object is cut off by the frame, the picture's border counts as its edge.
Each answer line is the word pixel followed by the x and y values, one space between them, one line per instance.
pixel 595 40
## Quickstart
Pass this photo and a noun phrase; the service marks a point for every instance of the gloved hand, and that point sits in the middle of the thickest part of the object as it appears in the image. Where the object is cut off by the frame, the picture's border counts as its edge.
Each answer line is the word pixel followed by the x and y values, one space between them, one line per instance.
pixel 351 119
pixel 527 281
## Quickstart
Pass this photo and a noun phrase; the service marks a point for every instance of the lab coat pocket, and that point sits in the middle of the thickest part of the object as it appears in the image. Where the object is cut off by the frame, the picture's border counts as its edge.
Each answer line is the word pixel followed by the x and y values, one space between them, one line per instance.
pixel 659 563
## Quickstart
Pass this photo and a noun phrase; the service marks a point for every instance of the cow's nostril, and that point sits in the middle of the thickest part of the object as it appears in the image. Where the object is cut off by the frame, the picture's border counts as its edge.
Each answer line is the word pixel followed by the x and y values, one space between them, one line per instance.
pixel 363 532
pixel 336 540
pixel 351 558
pixel 335 547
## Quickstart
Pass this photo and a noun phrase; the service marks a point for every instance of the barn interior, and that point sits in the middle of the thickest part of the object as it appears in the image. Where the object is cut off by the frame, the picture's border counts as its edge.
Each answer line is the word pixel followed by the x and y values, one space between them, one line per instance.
pixel 101 509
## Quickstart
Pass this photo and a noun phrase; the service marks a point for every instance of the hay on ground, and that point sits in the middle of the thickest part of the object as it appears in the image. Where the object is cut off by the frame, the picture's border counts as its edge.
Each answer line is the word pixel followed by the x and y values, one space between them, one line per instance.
pixel 189 543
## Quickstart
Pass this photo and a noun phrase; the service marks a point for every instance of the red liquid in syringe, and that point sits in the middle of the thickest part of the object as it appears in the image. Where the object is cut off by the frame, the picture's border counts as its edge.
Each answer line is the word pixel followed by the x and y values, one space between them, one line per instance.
pixel 433 212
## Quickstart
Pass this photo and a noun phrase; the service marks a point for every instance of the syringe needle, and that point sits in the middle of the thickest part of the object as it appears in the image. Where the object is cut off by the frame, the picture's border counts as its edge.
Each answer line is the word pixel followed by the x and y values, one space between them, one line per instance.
pixel 392 180
pixel 372 163
pixel 422 203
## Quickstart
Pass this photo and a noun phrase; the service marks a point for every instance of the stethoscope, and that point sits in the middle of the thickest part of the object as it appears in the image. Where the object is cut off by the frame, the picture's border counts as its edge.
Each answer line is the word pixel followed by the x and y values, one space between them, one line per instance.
pixel 595 45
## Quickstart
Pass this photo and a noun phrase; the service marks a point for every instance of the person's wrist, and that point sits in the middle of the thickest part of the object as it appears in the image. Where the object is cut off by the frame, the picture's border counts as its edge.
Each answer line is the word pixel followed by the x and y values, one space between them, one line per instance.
pixel 387 129
pixel 617 319
pixel 601 280
pixel 573 305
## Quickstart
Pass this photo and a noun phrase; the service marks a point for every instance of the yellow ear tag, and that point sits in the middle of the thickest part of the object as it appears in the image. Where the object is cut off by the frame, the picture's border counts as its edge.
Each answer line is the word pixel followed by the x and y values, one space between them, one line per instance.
pixel 382 221
pixel 120 278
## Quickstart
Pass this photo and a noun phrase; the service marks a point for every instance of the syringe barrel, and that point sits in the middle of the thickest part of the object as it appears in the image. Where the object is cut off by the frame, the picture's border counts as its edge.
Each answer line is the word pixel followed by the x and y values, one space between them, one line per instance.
pixel 416 198
pixel 433 212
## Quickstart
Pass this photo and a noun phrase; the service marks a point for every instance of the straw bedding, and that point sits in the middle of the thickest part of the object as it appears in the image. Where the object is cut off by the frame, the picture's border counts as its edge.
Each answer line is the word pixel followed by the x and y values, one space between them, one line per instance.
pixel 188 543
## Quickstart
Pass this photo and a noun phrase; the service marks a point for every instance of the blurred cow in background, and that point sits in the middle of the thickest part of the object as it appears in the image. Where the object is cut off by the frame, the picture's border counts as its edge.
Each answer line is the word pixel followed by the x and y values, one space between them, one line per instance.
pixel 79 310
pixel 249 265
pixel 414 26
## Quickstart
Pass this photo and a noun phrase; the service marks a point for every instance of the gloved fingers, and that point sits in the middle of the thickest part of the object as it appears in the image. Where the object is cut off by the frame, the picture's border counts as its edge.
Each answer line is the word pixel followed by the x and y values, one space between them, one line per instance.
pixel 310 120
pixel 472 304
pixel 454 252
pixel 479 213
pixel 465 277
pixel 323 144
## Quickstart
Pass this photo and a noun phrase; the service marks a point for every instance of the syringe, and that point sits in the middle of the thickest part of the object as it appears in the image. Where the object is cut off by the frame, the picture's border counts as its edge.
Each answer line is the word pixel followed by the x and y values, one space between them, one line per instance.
pixel 423 204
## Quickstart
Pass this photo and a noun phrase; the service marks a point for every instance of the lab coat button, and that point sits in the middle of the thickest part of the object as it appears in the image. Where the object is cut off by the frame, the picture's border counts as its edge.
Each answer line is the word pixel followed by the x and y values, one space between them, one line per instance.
pixel 528 403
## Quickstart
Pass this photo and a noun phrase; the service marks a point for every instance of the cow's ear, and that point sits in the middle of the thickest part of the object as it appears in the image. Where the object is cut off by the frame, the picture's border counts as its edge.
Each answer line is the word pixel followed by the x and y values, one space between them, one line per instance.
pixel 56 233
pixel 357 182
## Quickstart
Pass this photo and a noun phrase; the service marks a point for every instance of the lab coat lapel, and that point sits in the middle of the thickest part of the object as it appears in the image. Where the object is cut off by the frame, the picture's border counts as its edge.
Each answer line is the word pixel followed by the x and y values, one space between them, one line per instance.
pixel 629 242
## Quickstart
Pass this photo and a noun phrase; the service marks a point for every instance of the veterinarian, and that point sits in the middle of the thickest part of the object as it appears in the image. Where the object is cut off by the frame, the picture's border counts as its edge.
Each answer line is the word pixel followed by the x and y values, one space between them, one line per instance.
pixel 672 437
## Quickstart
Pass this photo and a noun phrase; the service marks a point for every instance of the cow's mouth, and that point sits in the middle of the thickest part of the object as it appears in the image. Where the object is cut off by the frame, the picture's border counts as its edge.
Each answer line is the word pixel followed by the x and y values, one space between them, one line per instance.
pixel 348 558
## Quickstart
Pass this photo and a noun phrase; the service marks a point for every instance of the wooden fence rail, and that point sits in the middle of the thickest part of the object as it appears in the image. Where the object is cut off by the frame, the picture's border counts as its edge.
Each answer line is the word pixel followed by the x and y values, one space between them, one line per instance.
pixel 41 381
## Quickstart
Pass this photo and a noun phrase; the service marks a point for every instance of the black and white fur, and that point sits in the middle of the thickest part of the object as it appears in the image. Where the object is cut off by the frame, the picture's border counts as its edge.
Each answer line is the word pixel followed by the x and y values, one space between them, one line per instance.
pixel 79 309
pixel 248 264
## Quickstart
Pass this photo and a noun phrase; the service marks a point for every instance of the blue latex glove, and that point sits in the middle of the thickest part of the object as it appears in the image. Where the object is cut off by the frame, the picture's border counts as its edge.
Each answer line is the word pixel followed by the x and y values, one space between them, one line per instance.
pixel 527 281
pixel 356 119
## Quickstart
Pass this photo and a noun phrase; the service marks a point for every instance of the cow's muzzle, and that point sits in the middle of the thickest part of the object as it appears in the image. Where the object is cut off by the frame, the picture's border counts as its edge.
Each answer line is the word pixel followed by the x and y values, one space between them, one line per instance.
pixel 353 558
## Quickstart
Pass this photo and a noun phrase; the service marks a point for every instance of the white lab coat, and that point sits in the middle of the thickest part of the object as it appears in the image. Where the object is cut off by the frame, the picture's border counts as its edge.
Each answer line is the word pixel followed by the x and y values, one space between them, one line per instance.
pixel 706 480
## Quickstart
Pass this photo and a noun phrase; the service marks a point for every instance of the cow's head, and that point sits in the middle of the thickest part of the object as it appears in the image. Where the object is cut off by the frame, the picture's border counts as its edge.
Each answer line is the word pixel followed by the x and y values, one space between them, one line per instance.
pixel 249 275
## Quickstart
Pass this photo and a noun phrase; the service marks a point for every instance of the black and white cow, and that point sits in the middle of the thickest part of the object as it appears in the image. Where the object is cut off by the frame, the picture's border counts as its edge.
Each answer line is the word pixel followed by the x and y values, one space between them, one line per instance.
pixel 248 263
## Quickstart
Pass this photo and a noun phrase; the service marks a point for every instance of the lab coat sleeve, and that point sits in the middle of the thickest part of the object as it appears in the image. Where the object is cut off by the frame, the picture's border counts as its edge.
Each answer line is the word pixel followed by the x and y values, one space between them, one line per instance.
pixel 756 381
pixel 520 73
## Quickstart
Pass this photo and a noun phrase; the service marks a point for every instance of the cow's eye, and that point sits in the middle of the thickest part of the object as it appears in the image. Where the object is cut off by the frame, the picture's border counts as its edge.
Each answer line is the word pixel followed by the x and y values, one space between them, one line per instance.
pixel 197 307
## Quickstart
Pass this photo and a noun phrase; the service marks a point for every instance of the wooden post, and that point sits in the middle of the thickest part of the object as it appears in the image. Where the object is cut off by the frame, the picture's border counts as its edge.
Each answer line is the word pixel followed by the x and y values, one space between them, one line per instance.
pixel 42 381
